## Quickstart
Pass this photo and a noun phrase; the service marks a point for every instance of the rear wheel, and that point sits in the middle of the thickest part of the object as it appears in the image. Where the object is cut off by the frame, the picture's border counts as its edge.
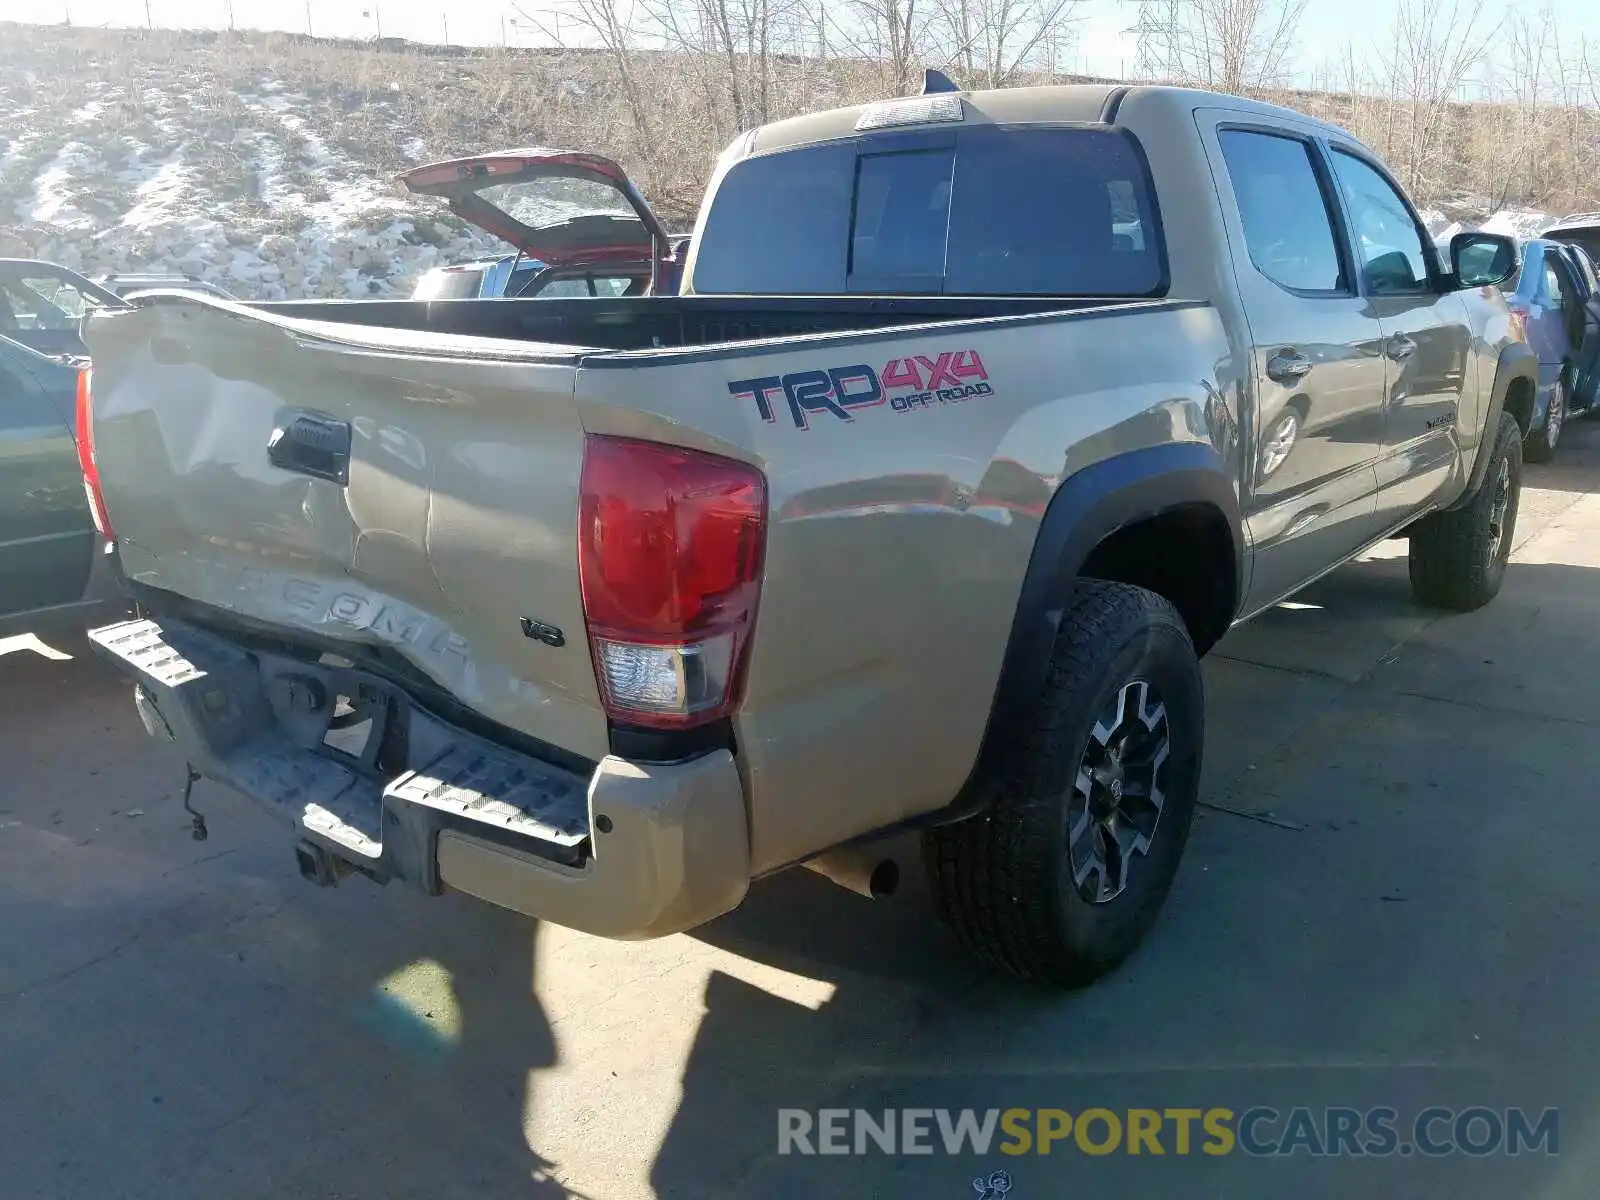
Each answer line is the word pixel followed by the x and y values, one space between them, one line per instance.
pixel 1060 878
pixel 1458 558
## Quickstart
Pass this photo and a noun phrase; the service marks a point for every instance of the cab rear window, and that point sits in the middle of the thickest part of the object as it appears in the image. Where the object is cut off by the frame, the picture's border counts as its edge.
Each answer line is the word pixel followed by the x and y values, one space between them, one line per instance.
pixel 987 210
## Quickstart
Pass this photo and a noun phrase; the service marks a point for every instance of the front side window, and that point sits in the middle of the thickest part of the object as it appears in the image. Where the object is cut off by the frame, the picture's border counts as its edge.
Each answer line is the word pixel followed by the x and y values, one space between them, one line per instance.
pixel 1388 244
pixel 1287 226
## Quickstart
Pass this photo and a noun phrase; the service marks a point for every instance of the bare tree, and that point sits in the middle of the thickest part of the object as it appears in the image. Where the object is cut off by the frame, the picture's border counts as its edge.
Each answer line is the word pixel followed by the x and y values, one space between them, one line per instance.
pixel 894 35
pixel 727 48
pixel 611 24
pixel 993 43
pixel 1235 46
pixel 1436 46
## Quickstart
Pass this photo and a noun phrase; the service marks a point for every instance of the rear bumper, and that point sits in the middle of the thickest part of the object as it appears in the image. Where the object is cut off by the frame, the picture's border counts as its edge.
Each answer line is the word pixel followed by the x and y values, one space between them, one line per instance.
pixel 633 850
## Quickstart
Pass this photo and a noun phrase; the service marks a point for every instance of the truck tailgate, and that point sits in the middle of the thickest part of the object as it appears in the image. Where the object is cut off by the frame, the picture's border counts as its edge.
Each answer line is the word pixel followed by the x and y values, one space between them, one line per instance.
pixel 348 486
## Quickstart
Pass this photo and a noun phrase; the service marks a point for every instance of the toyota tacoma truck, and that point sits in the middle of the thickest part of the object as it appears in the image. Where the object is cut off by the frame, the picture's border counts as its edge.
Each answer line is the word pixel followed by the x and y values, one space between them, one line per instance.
pixel 980 417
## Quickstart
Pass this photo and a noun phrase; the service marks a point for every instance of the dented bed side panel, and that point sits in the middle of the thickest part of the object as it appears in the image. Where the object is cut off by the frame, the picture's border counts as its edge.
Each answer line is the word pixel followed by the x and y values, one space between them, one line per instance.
pixel 457 520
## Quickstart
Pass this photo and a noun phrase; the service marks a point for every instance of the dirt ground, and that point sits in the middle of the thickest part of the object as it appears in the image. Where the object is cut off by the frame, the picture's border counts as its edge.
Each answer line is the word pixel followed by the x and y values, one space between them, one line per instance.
pixel 1400 918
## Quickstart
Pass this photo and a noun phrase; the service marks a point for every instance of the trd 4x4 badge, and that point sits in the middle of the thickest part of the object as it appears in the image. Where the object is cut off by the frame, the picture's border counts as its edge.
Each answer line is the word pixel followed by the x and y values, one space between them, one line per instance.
pixel 904 384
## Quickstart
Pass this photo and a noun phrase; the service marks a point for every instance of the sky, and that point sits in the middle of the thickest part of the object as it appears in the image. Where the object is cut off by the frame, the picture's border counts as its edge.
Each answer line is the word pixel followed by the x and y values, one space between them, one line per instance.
pixel 1105 47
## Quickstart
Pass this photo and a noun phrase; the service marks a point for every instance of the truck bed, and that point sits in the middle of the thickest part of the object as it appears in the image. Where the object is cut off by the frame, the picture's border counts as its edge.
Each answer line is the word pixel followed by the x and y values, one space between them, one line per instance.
pixel 665 321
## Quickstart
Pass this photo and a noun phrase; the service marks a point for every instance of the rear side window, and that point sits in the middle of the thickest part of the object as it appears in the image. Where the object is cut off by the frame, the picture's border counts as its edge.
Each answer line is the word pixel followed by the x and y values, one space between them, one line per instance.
pixel 987 211
pixel 1287 226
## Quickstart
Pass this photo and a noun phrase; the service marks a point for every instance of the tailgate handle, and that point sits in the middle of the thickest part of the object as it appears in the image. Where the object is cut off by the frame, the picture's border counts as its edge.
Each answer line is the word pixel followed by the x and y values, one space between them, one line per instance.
pixel 311 444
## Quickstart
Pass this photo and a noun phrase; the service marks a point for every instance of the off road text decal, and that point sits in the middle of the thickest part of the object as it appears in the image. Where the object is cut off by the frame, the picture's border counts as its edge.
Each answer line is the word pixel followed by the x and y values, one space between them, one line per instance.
pixel 904 384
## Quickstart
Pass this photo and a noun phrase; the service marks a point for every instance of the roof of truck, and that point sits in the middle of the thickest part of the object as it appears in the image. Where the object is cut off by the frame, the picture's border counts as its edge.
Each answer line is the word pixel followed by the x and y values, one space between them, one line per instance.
pixel 1074 102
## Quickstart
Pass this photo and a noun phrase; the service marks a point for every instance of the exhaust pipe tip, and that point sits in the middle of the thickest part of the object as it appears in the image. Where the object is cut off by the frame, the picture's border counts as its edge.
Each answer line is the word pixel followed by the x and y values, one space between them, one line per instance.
pixel 860 869
pixel 884 879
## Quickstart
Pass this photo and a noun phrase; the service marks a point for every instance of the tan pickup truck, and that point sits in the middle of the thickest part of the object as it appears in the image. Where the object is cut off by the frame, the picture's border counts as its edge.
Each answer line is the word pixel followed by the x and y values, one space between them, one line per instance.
pixel 981 417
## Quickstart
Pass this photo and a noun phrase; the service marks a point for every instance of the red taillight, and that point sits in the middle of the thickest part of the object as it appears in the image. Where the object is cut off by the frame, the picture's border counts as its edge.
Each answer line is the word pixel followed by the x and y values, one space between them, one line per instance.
pixel 84 421
pixel 1519 321
pixel 670 547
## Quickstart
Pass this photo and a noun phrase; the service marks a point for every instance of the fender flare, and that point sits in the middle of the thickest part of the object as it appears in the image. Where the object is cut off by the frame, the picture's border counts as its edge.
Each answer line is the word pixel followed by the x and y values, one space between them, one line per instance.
pixel 1086 508
pixel 1517 361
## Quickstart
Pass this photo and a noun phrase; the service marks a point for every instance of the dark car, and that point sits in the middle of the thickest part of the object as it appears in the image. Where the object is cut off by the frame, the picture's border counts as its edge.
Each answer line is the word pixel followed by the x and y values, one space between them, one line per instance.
pixel 577 224
pixel 1580 229
pixel 43 304
pixel 56 568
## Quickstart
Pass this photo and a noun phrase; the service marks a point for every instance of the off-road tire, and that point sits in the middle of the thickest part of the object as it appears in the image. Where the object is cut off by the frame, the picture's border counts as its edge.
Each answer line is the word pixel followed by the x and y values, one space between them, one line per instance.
pixel 1458 558
pixel 1003 880
pixel 1540 444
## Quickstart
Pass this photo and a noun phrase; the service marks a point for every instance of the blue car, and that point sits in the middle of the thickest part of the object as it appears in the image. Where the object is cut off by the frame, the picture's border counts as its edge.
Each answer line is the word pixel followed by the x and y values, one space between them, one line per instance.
pixel 1557 300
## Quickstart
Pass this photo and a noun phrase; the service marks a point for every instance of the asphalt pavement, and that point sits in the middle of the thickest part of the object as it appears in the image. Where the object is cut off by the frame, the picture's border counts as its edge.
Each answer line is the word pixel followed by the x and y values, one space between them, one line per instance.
pixel 1386 905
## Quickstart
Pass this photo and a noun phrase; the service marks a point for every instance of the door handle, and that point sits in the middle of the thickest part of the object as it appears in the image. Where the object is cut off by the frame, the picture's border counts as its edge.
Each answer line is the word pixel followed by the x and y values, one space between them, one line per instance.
pixel 1288 366
pixel 311 443
pixel 1400 347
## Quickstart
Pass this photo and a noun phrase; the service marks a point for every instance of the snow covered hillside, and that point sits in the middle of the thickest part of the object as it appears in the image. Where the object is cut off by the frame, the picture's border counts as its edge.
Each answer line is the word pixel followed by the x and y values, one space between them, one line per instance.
pixel 260 188
pixel 101 190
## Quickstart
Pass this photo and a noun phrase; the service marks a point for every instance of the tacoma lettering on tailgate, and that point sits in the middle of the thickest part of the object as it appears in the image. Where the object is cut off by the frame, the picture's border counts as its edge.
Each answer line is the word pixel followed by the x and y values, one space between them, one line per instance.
pixel 904 384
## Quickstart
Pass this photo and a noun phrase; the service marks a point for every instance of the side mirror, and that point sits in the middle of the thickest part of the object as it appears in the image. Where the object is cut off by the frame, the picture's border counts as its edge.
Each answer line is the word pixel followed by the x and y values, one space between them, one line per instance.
pixel 1483 259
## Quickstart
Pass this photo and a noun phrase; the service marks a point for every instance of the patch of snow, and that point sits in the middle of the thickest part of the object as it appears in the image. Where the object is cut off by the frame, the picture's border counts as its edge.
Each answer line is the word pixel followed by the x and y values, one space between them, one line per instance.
pixel 91 110
pixel 415 149
pixel 1512 222
pixel 1517 222
pixel 52 200
pixel 268 164
pixel 15 150
pixel 156 200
